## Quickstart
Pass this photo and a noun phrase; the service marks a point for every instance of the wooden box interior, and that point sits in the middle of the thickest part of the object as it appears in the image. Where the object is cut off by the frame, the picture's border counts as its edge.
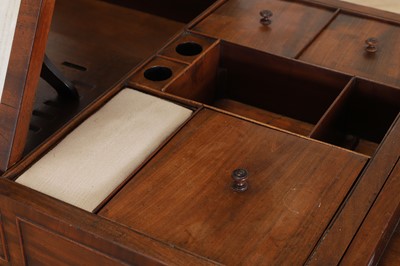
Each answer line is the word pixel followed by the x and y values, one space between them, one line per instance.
pixel 238 90
pixel 182 198
pixel 291 95
pixel 271 89
pixel 362 118
pixel 274 84
pixel 96 43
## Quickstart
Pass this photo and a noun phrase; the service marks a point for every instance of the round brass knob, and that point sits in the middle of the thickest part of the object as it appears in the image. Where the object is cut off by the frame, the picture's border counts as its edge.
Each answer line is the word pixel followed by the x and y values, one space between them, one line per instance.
pixel 239 177
pixel 371 44
pixel 266 17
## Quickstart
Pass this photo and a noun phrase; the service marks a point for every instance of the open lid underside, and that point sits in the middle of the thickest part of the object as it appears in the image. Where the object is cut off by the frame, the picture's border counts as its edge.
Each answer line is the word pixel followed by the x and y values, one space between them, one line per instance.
pixel 24 26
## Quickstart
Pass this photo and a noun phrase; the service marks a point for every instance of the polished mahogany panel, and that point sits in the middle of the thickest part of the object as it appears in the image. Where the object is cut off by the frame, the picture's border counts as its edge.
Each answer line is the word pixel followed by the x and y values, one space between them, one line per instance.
pixel 184 197
pixel 292 25
pixel 359 46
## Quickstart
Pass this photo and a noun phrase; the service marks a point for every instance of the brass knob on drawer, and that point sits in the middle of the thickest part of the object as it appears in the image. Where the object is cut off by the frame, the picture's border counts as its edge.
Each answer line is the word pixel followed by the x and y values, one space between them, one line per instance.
pixel 266 17
pixel 371 44
pixel 239 177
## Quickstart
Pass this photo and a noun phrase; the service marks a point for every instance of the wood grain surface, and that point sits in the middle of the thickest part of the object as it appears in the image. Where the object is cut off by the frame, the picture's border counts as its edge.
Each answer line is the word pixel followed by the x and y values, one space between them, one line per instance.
pixel 183 196
pixel 345 225
pixel 238 21
pixel 308 202
pixel 391 257
pixel 378 226
pixel 265 116
pixel 342 46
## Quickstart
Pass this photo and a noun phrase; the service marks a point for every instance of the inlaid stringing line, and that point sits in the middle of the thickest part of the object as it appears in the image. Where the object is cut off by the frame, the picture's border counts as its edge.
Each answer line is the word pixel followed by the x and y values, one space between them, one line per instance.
pixel 9 10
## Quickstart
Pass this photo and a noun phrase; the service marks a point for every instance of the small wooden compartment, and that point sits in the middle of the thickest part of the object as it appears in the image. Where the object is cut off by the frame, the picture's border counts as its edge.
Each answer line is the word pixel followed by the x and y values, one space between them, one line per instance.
pixel 173 61
pixel 342 46
pixel 157 73
pixel 293 25
pixel 270 89
pixel 183 196
pixel 188 47
pixel 361 116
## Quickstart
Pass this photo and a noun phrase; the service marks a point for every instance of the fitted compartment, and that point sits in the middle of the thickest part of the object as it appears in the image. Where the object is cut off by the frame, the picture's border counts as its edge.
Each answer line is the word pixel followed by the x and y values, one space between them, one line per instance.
pixel 187 47
pixel 264 87
pixel 292 25
pixel 343 46
pixel 157 73
pixel 360 117
pixel 86 166
pixel 183 196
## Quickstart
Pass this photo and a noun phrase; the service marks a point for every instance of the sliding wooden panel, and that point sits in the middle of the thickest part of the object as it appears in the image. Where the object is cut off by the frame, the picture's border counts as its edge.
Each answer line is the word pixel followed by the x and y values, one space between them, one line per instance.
pixel 342 46
pixel 293 25
pixel 183 196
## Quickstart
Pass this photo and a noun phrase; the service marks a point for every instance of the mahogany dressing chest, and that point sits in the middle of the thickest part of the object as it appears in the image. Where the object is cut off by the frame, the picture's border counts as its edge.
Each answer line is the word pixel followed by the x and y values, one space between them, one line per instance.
pixel 237 132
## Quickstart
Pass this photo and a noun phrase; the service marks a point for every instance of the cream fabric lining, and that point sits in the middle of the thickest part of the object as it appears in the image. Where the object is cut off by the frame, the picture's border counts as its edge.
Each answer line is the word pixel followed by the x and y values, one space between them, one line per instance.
pixel 387 5
pixel 85 167
pixel 9 10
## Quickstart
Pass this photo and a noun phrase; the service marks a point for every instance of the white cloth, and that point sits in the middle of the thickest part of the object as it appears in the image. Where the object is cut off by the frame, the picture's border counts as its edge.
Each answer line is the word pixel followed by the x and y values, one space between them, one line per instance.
pixel 8 20
pixel 86 166
pixel 387 5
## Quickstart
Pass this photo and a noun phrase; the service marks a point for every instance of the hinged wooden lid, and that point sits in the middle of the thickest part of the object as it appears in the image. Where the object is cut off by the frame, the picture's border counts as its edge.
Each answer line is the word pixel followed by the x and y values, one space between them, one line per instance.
pixel 183 196
pixel 24 26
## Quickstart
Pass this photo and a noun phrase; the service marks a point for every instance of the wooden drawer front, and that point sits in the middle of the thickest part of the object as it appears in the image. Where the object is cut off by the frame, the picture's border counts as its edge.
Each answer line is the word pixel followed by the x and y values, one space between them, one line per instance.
pixel 184 195
pixel 342 47
pixel 293 25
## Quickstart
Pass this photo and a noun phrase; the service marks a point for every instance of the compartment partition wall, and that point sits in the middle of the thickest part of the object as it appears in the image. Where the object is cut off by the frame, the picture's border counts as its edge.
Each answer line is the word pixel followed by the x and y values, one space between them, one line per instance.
pixel 289 94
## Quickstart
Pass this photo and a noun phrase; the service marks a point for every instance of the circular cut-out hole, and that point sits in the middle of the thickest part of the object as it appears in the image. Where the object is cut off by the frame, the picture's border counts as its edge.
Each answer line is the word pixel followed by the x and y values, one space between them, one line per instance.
pixel 189 49
pixel 158 73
